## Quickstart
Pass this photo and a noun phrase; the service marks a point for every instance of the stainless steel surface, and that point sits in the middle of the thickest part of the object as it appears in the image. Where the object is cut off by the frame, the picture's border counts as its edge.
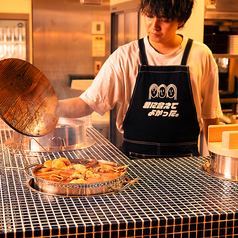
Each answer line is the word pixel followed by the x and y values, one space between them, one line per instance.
pixel 62 40
pixel 221 9
pixel 222 166
pixel 124 6
pixel 125 28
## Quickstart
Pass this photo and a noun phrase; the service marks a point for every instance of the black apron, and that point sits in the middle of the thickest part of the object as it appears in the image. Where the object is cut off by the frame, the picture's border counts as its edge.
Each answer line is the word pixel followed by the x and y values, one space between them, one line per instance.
pixel 161 120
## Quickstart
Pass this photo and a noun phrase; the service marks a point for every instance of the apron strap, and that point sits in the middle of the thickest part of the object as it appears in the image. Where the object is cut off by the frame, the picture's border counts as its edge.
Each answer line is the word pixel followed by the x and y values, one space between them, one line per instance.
pixel 143 57
pixel 186 52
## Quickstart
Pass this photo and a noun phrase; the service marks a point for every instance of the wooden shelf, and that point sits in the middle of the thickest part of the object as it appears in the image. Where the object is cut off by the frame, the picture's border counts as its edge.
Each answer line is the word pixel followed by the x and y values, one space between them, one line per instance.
pixel 225 56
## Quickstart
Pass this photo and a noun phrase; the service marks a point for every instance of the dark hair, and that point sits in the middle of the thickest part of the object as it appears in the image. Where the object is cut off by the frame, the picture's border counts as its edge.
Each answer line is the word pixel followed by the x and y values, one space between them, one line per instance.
pixel 179 10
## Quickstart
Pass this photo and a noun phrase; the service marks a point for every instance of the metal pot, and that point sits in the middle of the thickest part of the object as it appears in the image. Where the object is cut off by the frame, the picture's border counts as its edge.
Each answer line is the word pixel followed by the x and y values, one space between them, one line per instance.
pixel 222 144
pixel 72 189
pixel 222 166
pixel 69 134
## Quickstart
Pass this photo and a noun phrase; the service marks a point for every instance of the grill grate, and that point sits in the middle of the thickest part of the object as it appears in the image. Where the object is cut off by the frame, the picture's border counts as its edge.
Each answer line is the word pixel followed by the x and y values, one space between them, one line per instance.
pixel 173 198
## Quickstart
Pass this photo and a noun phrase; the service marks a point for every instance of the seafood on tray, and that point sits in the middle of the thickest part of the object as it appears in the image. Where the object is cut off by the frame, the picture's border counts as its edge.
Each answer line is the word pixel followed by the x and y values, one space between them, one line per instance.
pixel 83 171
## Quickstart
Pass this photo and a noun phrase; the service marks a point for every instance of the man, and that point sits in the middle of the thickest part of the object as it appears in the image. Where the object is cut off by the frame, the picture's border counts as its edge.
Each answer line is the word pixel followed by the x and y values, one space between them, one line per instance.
pixel 166 85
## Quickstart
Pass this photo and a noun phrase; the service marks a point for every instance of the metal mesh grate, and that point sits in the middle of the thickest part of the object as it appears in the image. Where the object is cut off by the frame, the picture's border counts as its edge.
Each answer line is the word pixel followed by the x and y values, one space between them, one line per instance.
pixel 173 198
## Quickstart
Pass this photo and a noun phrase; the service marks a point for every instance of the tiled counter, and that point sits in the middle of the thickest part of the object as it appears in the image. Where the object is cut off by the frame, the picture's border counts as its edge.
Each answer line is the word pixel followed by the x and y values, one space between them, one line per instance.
pixel 173 198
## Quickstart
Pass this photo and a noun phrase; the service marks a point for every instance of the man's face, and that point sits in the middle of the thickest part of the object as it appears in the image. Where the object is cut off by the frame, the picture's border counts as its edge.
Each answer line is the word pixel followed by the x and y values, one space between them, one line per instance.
pixel 160 30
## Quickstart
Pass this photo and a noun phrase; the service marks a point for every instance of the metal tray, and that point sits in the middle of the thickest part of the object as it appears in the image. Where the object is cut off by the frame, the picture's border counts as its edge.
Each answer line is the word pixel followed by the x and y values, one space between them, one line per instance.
pixel 72 189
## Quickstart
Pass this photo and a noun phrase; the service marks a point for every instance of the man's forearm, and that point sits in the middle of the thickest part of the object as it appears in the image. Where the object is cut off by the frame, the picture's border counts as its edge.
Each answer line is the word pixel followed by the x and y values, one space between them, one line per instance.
pixel 74 108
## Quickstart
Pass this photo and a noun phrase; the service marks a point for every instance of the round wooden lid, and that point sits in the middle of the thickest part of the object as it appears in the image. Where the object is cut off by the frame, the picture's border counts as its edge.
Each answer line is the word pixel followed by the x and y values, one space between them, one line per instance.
pixel 28 102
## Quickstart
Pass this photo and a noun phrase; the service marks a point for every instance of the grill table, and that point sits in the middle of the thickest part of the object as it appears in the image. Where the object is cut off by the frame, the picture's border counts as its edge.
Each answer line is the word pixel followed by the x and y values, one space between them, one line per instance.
pixel 173 198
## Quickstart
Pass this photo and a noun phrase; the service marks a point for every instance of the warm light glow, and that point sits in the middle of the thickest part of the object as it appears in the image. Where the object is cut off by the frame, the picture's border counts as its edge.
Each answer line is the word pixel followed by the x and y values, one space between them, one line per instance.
pixel 228 168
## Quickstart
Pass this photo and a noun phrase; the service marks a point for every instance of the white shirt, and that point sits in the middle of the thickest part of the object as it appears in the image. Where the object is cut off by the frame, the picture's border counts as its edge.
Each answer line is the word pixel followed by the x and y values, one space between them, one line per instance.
pixel 115 81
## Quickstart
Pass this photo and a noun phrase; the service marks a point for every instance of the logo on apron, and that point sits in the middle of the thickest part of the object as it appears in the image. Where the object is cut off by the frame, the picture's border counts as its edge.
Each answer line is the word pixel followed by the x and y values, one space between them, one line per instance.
pixel 162 108
pixel 163 91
